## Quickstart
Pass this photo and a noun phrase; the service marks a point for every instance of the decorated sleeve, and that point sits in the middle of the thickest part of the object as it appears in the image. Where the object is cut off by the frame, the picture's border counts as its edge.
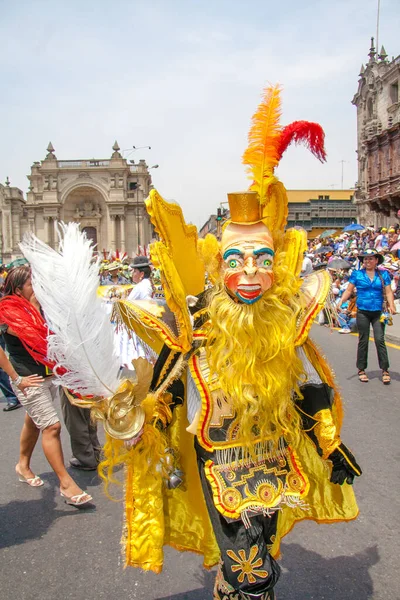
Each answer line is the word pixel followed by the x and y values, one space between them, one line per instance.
pixel 167 378
pixel 315 407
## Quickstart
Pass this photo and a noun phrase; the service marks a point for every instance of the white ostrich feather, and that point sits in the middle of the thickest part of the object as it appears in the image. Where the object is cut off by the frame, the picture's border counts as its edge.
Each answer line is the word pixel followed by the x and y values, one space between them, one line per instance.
pixel 65 283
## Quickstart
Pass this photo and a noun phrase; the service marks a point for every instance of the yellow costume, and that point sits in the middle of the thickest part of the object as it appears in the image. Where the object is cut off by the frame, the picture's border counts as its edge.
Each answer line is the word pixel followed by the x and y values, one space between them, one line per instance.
pixel 240 405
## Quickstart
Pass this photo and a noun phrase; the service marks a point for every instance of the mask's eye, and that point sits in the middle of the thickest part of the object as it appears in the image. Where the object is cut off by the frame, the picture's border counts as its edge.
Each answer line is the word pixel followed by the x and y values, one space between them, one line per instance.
pixel 233 263
pixel 265 261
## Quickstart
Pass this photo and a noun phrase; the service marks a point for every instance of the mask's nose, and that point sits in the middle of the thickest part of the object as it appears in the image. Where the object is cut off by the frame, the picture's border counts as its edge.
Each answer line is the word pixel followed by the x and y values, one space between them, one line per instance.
pixel 250 267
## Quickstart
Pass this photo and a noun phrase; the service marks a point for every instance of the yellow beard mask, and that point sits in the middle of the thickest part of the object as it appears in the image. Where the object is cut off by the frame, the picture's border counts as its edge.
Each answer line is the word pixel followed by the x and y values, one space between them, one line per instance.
pixel 251 347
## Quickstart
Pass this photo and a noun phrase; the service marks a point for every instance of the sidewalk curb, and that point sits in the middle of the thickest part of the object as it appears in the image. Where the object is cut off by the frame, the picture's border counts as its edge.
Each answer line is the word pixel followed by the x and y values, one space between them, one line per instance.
pixel 393 339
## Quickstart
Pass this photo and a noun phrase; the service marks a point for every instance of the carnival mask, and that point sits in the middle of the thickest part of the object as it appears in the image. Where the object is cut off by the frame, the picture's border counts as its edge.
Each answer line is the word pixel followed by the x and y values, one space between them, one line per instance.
pixel 247 261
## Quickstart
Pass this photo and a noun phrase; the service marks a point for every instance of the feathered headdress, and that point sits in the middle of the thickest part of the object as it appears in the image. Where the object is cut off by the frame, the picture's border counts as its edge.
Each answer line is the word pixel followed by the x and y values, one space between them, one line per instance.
pixel 268 140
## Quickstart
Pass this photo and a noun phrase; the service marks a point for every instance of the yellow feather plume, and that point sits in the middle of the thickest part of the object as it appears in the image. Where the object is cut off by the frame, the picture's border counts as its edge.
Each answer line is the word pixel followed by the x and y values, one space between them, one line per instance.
pixel 294 245
pixel 208 249
pixel 262 153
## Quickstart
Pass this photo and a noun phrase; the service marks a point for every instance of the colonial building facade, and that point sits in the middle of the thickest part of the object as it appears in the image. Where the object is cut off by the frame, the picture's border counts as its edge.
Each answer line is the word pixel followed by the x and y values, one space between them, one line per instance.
pixel 106 196
pixel 13 222
pixel 377 194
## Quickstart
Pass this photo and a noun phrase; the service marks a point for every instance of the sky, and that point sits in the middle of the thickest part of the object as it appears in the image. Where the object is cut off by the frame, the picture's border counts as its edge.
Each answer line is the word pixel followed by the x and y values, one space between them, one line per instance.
pixel 184 77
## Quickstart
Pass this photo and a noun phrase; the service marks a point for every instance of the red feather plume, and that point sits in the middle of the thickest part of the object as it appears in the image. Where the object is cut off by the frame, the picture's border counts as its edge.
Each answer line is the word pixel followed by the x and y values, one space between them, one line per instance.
pixel 310 134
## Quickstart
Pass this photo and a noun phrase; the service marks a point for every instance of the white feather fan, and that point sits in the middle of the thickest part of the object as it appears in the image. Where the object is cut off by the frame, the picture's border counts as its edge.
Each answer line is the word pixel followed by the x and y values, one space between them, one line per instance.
pixel 65 283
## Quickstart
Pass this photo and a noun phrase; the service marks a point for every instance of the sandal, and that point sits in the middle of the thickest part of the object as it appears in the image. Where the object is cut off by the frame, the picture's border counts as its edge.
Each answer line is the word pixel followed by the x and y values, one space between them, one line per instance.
pixel 386 378
pixel 362 376
pixel 31 481
pixel 78 499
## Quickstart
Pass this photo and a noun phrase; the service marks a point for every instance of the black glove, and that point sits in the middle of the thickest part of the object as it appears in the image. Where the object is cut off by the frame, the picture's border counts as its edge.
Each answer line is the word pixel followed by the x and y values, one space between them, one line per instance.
pixel 345 467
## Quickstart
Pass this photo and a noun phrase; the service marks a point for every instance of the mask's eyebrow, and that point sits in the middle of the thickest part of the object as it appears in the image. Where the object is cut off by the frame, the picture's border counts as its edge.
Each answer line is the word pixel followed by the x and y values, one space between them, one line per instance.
pixel 230 252
pixel 264 251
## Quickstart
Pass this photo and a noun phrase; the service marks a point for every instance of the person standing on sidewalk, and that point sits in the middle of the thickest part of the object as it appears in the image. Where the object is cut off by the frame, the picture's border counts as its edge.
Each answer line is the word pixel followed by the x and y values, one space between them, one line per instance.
pixel 372 285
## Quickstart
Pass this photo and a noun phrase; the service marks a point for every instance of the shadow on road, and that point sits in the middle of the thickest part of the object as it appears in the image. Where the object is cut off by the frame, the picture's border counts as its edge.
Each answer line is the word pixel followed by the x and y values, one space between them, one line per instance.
pixel 23 520
pixel 206 581
pixel 310 576
pixel 202 594
pixel 395 375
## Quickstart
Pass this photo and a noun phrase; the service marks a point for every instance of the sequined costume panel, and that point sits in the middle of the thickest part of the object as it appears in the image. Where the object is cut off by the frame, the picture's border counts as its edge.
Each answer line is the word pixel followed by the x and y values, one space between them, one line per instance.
pixel 246 565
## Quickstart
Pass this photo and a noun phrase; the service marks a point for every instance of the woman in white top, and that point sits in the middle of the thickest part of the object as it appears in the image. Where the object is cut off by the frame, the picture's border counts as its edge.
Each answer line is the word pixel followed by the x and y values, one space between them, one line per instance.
pixel 129 345
pixel 141 272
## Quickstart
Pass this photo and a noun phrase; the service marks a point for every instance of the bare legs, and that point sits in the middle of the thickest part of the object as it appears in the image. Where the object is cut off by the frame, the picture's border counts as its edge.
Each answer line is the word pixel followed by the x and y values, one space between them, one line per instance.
pixel 27 443
pixel 52 449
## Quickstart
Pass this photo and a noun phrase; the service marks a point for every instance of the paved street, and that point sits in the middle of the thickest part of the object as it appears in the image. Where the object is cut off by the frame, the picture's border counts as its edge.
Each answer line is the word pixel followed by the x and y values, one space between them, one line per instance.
pixel 50 550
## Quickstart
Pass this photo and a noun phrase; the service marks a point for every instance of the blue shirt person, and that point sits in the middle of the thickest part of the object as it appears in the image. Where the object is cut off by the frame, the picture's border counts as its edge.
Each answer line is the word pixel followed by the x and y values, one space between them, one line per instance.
pixel 369 292
pixel 371 286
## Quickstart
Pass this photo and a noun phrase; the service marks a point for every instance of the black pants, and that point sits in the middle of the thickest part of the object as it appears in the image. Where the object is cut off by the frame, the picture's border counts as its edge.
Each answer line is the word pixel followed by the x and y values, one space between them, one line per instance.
pixel 247 570
pixel 82 431
pixel 364 319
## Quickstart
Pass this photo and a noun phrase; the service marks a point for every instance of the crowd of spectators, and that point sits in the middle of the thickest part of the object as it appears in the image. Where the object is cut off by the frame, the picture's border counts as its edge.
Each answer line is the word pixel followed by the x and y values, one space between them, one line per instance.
pixel 339 254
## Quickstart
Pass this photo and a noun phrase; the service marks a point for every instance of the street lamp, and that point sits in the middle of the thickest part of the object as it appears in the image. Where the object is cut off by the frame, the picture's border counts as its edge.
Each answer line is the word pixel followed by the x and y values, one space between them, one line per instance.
pixel 133 148
pixel 342 161
pixel 138 187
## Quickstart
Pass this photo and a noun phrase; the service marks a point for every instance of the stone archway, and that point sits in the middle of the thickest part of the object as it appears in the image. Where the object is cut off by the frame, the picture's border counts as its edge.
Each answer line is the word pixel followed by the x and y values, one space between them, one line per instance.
pixel 85 204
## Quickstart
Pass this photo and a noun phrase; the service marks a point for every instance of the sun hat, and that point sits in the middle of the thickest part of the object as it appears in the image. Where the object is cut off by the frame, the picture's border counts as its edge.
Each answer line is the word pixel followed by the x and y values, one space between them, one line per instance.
pixel 371 252
pixel 113 266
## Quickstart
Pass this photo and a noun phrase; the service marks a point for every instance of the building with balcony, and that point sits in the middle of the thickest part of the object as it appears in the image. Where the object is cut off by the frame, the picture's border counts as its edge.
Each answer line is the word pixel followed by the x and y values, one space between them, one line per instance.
pixel 106 196
pixel 314 210
pixel 319 210
pixel 377 193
